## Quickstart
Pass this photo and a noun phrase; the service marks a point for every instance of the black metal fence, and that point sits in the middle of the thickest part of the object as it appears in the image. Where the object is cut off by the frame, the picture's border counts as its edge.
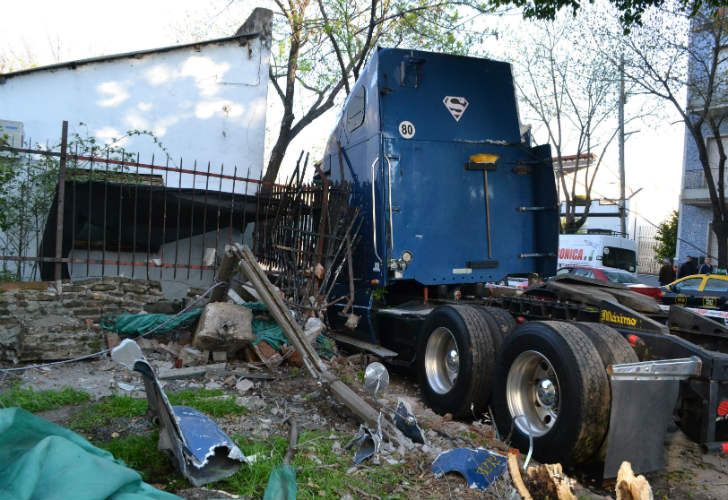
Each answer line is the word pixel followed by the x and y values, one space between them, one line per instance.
pixel 72 211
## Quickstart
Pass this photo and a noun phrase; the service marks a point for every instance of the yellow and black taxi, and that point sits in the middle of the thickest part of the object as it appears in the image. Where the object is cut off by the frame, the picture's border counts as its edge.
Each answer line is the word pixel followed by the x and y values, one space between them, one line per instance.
pixel 704 291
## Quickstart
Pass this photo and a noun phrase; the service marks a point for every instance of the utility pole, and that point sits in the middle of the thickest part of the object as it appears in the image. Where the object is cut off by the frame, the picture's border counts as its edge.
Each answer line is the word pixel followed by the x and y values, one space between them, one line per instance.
pixel 622 201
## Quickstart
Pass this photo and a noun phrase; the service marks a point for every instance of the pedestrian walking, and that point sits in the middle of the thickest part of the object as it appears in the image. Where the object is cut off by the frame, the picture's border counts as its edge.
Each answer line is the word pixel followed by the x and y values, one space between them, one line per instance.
pixel 688 267
pixel 667 273
pixel 706 267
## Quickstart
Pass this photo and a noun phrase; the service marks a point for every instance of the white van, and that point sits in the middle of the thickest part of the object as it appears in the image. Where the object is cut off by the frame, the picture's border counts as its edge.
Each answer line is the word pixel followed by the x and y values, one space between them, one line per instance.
pixel 597 250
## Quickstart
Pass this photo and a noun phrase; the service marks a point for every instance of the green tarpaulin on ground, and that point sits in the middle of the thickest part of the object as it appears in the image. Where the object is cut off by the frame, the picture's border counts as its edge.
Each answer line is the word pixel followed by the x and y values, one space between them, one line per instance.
pixel 42 460
pixel 142 323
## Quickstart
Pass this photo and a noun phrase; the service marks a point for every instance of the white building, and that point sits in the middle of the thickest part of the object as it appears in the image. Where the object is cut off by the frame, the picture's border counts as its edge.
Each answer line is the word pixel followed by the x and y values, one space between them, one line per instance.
pixel 197 107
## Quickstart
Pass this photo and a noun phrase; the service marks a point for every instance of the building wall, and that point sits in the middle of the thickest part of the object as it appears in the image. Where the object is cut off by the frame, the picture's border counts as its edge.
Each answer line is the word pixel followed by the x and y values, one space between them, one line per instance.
pixel 695 213
pixel 205 103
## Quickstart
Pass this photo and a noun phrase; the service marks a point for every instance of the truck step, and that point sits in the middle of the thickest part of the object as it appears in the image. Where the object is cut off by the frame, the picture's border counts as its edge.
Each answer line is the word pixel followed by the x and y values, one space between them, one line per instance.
pixel 363 345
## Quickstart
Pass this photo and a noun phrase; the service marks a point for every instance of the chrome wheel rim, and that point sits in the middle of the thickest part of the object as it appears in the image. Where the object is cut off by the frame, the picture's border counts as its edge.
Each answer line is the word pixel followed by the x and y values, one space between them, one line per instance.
pixel 533 393
pixel 442 360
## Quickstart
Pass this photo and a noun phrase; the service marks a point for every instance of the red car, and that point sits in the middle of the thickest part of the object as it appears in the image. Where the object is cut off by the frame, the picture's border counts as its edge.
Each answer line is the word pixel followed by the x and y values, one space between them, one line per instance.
pixel 613 276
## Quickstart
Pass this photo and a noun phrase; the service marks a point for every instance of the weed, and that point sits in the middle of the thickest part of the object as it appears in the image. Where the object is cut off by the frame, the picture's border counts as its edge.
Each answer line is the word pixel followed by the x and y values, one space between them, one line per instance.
pixel 34 401
pixel 212 402
pixel 320 471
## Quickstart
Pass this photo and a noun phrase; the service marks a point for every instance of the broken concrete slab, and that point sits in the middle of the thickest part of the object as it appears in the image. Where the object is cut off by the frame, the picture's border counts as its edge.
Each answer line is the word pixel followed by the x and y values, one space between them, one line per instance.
pixel 224 327
pixel 244 385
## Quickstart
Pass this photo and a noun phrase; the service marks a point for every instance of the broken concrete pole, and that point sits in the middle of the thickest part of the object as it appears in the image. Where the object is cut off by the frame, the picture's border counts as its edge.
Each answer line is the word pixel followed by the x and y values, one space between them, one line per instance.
pixel 224 327
pixel 224 272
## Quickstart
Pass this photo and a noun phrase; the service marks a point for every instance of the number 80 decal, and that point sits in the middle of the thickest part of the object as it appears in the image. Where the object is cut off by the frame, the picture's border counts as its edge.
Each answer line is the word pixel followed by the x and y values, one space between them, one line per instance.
pixel 406 130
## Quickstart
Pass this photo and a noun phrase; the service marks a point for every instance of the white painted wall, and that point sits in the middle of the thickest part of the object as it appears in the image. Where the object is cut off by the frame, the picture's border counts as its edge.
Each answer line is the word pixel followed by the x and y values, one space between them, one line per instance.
pixel 204 103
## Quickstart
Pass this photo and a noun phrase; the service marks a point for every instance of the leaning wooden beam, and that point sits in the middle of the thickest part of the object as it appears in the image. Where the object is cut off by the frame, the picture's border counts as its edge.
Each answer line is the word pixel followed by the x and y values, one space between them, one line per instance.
pixel 316 368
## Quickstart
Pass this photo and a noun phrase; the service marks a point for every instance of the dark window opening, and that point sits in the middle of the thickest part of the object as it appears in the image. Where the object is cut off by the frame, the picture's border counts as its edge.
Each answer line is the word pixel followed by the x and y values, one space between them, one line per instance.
pixel 620 258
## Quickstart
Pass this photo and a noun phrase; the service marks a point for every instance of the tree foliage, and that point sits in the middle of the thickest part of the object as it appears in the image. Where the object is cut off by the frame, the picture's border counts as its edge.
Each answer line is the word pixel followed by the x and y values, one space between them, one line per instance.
pixel 630 11
pixel 570 94
pixel 321 46
pixel 667 237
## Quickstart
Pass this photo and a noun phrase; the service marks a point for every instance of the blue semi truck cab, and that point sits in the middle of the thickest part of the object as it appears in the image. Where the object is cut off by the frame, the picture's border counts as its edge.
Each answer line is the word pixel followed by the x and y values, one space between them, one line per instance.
pixel 453 197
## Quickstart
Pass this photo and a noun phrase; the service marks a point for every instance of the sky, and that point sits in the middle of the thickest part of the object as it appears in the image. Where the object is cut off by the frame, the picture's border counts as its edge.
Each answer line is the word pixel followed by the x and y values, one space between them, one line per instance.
pixel 47 32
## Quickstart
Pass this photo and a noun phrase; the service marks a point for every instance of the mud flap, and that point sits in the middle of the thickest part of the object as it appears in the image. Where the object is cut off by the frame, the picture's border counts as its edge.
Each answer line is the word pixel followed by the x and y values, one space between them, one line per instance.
pixel 644 396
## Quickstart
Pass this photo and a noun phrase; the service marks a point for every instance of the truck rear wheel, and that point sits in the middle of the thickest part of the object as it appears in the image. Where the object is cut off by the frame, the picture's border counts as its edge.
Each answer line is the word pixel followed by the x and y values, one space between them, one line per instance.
pixel 550 383
pixel 612 347
pixel 456 356
pixel 506 322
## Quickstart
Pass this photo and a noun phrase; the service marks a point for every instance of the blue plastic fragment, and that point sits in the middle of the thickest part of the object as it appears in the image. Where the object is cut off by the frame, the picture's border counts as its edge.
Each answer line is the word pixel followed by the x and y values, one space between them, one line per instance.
pixel 479 467
pixel 202 436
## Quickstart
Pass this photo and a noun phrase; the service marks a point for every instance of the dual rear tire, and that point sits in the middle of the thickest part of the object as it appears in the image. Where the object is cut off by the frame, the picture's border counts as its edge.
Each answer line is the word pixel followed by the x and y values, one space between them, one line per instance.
pixel 546 380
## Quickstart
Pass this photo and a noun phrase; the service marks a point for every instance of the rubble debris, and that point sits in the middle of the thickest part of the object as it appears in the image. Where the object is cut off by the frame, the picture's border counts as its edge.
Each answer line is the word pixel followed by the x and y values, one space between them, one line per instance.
pixel 244 385
pixel 313 363
pixel 631 487
pixel 267 354
pixel 224 327
pixel 479 467
pixel 405 420
pixel 376 378
pixel 282 480
pixel 191 356
pixel 202 451
pixel 34 463
pixel 190 371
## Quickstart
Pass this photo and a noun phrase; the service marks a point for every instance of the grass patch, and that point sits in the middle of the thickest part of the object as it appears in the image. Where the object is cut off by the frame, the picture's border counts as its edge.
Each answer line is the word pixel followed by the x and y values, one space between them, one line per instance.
pixel 34 401
pixel 141 454
pixel 212 402
pixel 101 413
pixel 320 472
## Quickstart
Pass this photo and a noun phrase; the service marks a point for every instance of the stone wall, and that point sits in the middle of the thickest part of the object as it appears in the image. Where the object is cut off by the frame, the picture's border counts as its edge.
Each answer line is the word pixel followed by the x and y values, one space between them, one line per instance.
pixel 36 324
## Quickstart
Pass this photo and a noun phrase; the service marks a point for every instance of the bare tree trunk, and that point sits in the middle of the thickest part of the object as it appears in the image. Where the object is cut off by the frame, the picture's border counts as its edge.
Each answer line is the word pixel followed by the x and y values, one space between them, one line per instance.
pixel 720 228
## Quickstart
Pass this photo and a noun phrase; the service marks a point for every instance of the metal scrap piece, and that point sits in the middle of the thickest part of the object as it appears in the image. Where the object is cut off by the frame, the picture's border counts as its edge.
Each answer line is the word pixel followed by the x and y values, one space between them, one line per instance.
pixel 405 420
pixel 202 451
pixel 478 466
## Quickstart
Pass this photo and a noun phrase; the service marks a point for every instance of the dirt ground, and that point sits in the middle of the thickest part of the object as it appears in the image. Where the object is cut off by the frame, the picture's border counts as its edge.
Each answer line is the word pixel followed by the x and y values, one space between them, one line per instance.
pixel 689 473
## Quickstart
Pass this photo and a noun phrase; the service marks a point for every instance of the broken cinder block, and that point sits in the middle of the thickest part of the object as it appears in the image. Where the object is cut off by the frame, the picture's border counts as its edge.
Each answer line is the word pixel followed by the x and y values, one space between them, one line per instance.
pixel 224 327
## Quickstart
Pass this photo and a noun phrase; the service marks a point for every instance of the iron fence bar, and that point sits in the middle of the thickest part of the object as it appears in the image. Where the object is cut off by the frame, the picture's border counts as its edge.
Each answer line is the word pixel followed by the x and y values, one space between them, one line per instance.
pixel 134 224
pixel 204 218
pixel 217 218
pixel 73 216
pixel 192 218
pixel 245 207
pixel 149 221
pixel 179 208
pixel 164 220
pixel 60 204
pixel 120 210
pixel 89 194
pixel 232 206
pixel 106 210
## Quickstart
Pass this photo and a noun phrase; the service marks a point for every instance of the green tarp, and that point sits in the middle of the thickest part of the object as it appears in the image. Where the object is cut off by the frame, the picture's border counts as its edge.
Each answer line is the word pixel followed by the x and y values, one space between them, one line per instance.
pixel 42 460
